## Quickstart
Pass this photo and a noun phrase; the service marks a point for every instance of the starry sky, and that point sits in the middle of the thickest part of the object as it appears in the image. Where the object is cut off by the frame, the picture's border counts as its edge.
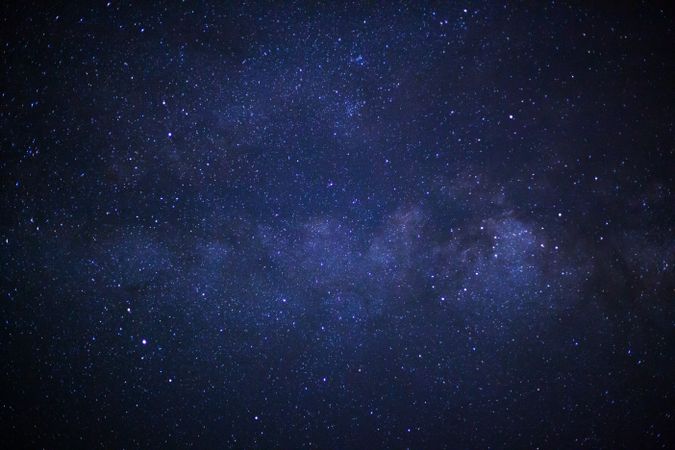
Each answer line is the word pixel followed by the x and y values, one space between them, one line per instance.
pixel 337 225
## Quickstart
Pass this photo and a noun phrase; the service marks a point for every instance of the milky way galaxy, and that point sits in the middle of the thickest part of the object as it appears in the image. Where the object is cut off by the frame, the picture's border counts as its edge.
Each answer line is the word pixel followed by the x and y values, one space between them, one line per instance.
pixel 336 225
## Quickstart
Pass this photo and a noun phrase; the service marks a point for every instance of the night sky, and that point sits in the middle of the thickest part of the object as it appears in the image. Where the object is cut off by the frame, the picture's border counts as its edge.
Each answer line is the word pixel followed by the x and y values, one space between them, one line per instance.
pixel 337 225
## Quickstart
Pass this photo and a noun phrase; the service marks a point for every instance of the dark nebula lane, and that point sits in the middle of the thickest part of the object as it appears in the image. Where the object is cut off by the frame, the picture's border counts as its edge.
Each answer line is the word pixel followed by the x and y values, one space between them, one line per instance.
pixel 337 225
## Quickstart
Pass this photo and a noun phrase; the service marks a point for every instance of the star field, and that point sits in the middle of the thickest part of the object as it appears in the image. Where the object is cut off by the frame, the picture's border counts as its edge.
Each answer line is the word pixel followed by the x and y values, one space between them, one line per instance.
pixel 336 225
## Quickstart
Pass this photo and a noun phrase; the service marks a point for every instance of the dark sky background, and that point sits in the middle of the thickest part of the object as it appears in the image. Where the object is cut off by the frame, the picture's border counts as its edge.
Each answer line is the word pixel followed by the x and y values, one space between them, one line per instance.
pixel 337 225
